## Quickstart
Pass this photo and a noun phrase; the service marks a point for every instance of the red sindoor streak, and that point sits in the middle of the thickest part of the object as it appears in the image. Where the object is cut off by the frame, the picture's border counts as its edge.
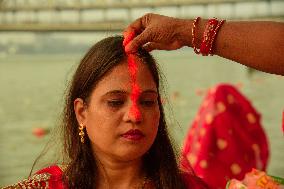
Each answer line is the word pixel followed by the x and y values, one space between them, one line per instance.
pixel 133 67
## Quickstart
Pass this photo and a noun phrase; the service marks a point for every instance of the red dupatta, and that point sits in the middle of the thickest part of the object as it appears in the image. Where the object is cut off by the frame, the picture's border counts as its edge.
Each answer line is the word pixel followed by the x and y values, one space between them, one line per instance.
pixel 226 139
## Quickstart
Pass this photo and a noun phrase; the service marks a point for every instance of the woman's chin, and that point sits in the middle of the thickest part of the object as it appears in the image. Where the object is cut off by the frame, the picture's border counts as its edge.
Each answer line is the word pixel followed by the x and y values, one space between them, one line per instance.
pixel 130 155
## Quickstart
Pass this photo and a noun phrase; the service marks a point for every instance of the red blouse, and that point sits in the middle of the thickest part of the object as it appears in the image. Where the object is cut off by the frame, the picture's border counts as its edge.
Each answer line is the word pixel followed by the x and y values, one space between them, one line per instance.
pixel 51 178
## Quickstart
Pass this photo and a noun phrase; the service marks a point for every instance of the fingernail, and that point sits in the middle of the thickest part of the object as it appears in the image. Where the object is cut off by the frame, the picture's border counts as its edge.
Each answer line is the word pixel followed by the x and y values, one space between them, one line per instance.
pixel 128 49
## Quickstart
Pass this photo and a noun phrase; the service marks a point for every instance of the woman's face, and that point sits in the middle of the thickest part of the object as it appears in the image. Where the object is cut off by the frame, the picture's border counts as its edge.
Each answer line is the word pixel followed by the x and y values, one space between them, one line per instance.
pixel 112 128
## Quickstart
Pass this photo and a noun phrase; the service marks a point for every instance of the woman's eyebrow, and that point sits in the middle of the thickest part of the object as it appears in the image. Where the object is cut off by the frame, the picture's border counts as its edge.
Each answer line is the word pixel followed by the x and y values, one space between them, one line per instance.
pixel 120 92
pixel 150 91
pixel 114 92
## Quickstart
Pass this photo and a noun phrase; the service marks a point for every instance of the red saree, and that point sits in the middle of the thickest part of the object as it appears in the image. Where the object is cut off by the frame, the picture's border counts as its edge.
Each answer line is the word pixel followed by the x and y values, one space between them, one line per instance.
pixel 226 139
pixel 47 178
pixel 51 178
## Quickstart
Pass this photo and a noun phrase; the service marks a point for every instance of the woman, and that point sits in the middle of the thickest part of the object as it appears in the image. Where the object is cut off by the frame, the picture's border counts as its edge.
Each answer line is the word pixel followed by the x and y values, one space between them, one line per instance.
pixel 105 144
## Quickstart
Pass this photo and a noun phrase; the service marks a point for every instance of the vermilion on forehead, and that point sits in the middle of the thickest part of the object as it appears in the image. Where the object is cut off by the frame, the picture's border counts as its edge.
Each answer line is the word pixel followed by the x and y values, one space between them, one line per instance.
pixel 133 68
pixel 121 71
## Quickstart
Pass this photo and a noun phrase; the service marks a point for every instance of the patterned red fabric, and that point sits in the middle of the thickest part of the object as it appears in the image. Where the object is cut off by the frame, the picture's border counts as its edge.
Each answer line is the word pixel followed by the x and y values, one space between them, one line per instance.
pixel 55 181
pixel 226 139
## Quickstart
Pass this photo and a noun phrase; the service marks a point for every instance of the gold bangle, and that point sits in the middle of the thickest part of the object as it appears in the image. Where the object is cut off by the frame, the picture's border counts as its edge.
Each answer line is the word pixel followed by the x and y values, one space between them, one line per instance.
pixel 193 35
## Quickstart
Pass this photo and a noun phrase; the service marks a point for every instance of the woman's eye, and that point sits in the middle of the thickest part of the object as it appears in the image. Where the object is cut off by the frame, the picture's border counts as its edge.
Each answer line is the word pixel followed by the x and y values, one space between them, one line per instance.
pixel 148 102
pixel 115 103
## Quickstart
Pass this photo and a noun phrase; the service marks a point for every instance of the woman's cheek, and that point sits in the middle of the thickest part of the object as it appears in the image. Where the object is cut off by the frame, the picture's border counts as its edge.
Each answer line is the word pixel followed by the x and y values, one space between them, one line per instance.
pixel 155 118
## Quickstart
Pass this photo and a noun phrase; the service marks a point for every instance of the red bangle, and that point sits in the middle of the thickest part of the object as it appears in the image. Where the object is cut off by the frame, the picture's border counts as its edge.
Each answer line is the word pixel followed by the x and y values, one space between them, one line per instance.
pixel 209 36
pixel 215 34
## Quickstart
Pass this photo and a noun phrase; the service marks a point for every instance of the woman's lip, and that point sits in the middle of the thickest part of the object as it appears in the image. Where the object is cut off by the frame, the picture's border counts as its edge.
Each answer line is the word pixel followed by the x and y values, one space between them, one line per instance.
pixel 133 134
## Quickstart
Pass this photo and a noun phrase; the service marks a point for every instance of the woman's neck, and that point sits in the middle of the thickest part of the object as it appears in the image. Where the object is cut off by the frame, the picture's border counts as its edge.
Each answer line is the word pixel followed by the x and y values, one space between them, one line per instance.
pixel 118 174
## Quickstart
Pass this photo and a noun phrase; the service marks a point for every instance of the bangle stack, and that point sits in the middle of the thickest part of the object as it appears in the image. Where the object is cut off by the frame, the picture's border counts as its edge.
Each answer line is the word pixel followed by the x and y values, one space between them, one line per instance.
pixel 212 27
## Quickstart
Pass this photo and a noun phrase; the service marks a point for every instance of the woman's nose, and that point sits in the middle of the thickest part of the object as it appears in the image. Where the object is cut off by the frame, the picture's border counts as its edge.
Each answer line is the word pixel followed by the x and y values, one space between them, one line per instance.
pixel 133 114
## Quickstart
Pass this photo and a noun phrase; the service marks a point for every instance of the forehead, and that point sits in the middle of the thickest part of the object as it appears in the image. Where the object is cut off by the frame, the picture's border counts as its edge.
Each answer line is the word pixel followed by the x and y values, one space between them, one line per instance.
pixel 119 78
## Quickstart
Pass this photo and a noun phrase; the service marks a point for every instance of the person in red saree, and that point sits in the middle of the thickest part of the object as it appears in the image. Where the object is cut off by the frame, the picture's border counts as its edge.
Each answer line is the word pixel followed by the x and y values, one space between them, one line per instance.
pixel 226 139
pixel 111 139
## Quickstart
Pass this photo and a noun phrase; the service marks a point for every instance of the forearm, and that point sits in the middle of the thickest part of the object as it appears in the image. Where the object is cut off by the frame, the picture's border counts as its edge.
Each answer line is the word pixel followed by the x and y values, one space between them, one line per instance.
pixel 255 44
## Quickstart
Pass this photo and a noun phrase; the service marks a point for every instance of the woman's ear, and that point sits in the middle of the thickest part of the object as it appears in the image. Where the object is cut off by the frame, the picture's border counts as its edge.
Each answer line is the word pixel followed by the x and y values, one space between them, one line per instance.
pixel 80 109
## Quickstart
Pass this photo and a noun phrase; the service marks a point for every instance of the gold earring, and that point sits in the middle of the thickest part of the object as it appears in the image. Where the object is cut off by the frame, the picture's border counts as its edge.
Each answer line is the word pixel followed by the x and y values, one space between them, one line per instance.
pixel 81 133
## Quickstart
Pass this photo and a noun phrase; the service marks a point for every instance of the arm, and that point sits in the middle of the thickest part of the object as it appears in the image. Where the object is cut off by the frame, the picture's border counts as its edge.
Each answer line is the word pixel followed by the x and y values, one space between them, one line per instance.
pixel 255 44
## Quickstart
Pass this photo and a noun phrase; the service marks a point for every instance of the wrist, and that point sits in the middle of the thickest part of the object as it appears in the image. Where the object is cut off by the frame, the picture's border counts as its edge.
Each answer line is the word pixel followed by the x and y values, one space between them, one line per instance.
pixel 185 32
pixel 199 31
